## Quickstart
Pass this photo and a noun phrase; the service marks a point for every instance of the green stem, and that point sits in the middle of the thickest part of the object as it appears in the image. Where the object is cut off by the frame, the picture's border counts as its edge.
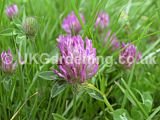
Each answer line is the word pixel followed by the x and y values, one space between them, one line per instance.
pixel 49 104
pixel 104 97
pixel 135 99
pixel 16 113
pixel 74 104
pixel 1 12
pixel 108 104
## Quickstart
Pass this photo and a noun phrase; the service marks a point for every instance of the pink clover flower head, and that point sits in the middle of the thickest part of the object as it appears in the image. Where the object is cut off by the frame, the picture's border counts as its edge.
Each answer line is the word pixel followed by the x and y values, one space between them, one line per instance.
pixel 71 23
pixel 102 20
pixel 78 60
pixel 129 54
pixel 12 11
pixel 7 62
pixel 113 41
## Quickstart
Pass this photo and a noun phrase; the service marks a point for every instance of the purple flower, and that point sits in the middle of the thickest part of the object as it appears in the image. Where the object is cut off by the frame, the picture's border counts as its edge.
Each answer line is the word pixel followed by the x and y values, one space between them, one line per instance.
pixel 7 62
pixel 112 40
pixel 129 54
pixel 102 20
pixel 71 23
pixel 11 11
pixel 78 60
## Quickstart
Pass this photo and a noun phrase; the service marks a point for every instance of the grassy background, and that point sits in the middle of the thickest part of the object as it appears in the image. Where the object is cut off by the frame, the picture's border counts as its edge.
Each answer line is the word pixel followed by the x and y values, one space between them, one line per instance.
pixel 133 93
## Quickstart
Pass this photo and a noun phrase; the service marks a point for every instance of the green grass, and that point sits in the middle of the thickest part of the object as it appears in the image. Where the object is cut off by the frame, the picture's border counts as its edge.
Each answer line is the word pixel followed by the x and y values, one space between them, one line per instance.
pixel 113 93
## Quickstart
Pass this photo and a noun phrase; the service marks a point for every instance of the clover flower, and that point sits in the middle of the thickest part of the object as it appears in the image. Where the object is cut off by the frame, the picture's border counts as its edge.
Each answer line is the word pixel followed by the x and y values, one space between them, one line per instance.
pixel 11 11
pixel 78 60
pixel 7 62
pixel 30 26
pixel 102 20
pixel 71 23
pixel 113 41
pixel 129 54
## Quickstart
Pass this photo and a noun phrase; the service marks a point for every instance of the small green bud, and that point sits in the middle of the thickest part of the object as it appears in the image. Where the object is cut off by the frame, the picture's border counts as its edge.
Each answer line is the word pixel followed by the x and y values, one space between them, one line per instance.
pixel 30 26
